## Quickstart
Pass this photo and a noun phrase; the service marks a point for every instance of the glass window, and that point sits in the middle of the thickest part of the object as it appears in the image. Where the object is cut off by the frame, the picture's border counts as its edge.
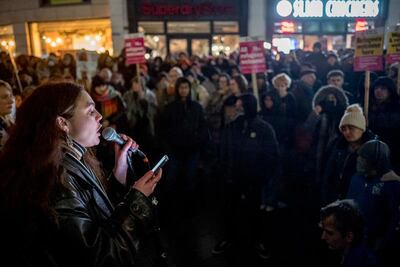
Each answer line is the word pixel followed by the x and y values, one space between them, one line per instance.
pixel 188 27
pixel 224 43
pixel 200 47
pixel 333 27
pixel 287 42
pixel 157 45
pixel 177 46
pixel 360 25
pixel 287 27
pixel 62 2
pixel 226 26
pixel 7 40
pixel 151 27
pixel 58 36
pixel 311 27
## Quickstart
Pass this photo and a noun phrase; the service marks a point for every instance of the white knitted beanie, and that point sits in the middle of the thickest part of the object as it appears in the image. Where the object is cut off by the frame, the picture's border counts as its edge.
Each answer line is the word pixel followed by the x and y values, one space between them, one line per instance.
pixel 353 116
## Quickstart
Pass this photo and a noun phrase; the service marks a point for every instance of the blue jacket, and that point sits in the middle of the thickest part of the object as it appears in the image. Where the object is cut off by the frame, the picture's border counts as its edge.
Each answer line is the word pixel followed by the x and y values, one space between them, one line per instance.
pixel 379 201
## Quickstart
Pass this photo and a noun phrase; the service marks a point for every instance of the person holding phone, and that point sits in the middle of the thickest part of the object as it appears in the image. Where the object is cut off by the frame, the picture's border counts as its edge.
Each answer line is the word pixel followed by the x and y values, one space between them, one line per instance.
pixel 55 202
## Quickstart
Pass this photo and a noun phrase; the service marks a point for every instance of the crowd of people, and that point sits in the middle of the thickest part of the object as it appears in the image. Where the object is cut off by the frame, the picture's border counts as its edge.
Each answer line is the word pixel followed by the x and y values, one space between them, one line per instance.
pixel 300 147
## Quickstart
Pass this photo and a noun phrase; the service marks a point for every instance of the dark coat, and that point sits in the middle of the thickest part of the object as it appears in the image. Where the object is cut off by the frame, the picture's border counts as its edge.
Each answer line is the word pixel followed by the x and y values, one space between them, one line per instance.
pixel 183 127
pixel 340 167
pixel 252 152
pixel 89 230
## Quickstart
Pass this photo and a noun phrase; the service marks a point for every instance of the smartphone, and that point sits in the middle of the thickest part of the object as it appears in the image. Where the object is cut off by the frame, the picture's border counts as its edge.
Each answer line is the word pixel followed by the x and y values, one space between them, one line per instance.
pixel 159 164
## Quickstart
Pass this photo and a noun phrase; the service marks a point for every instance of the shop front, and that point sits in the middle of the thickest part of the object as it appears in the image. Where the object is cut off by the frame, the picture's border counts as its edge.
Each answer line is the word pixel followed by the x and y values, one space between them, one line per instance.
pixel 193 27
pixel 7 40
pixel 300 23
pixel 61 36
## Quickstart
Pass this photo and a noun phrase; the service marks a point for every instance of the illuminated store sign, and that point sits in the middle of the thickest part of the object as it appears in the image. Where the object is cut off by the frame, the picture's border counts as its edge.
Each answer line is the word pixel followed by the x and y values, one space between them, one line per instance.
pixel 330 9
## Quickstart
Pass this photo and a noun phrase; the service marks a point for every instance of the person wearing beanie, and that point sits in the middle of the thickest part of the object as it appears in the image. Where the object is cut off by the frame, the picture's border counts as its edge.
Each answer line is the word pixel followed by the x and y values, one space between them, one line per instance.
pixel 376 189
pixel 249 160
pixel 342 161
pixel 384 116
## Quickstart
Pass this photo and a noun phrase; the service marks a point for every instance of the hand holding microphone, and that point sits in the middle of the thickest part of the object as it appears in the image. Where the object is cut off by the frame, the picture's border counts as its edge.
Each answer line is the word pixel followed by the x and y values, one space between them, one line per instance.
pixel 111 135
pixel 145 184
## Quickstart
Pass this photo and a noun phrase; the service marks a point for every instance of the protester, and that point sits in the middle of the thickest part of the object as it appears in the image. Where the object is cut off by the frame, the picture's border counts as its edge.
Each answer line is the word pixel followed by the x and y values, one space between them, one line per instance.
pixel 376 189
pixel 54 202
pixel 6 107
pixel 342 229
pixel 342 160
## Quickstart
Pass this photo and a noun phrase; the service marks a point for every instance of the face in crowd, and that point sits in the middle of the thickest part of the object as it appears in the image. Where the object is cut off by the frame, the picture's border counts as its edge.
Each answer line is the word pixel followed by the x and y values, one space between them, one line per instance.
pixel 336 81
pixel 173 75
pixel 234 87
pixel 281 86
pixel 184 90
pixel 332 236
pixel 6 100
pixel 381 93
pixel 309 79
pixel 351 133
pixel 223 83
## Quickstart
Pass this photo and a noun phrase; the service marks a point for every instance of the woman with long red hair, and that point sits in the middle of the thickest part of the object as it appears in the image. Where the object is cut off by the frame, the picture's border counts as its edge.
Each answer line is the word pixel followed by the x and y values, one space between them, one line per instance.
pixel 55 208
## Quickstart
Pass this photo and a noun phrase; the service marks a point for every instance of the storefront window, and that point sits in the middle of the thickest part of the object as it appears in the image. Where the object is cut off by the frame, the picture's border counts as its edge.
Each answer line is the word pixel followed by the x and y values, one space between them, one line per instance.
pixel 311 27
pixel 151 27
pixel 333 27
pixel 177 46
pixel 156 44
pixel 188 27
pixel 200 47
pixel 56 37
pixel 62 2
pixel 226 27
pixel 287 27
pixel 285 43
pixel 360 25
pixel 7 40
pixel 224 43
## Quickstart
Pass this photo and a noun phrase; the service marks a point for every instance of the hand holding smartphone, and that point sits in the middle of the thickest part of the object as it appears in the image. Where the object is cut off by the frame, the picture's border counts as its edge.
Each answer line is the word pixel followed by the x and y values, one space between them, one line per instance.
pixel 159 164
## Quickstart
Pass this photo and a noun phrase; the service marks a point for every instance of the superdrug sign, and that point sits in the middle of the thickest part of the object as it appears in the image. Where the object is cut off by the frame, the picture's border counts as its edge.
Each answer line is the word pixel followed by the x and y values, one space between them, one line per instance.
pixel 202 9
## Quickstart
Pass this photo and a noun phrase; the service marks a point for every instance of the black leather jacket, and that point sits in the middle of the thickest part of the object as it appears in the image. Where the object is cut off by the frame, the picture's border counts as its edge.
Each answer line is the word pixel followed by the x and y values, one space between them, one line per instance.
pixel 89 230
pixel 93 232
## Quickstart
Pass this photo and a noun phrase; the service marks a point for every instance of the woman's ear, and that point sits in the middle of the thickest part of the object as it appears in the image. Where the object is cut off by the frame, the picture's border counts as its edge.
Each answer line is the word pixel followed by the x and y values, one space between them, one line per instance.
pixel 62 123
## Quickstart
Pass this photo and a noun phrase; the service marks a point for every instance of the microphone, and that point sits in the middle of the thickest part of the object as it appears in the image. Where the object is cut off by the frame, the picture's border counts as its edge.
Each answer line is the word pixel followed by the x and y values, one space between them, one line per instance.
pixel 111 135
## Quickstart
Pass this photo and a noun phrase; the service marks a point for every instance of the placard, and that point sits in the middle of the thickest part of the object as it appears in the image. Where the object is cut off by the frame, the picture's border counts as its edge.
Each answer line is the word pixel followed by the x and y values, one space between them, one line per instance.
pixel 134 49
pixel 252 56
pixel 369 51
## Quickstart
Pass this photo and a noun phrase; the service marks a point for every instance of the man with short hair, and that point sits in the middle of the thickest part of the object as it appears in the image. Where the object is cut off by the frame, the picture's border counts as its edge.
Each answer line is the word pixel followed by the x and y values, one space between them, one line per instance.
pixel 336 78
pixel 342 229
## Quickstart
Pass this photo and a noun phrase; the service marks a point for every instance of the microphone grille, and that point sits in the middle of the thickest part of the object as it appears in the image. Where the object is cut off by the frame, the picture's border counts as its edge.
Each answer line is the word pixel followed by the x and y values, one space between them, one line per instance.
pixel 108 133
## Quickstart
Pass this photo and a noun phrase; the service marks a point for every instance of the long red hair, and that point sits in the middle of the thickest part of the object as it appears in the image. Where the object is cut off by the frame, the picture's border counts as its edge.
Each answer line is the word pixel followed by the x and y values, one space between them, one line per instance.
pixel 31 169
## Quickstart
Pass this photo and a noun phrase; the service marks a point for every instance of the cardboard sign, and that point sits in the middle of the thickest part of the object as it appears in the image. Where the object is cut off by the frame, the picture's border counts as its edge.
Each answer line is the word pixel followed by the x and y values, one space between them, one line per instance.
pixel 393 47
pixel 369 51
pixel 134 49
pixel 252 57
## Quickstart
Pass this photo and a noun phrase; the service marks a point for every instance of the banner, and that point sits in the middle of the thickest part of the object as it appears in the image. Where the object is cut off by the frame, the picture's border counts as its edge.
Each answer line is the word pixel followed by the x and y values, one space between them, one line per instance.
pixel 134 49
pixel 393 47
pixel 369 51
pixel 252 56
